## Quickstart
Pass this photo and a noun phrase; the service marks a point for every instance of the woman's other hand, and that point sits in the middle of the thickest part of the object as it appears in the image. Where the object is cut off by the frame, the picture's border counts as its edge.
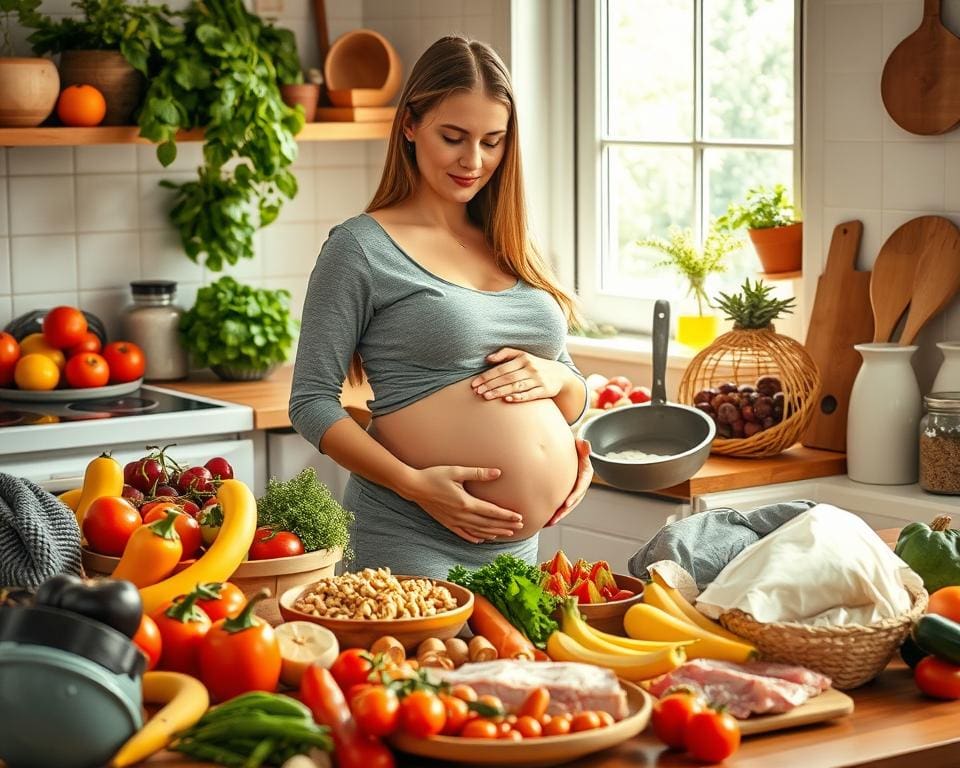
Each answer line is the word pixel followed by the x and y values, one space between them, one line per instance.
pixel 440 492
pixel 580 487
pixel 518 376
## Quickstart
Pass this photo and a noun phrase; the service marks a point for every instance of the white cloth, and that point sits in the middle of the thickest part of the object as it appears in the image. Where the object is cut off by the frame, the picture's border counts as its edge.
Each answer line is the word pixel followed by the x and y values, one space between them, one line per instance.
pixel 824 567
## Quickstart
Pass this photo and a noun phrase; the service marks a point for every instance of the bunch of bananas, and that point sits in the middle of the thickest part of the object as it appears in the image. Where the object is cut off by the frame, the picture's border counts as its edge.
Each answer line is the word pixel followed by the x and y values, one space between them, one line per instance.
pixel 667 616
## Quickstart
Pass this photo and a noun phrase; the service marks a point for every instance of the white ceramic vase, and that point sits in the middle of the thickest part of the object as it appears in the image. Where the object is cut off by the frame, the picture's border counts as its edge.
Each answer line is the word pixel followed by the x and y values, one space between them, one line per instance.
pixel 883 421
pixel 948 375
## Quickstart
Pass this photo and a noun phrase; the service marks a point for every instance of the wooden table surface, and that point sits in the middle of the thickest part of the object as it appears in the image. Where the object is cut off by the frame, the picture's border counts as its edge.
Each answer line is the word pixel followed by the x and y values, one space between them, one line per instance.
pixel 269 399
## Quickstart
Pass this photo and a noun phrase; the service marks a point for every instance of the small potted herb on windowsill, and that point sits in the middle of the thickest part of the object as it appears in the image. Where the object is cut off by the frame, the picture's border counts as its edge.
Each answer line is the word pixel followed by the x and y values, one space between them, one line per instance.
pixel 695 264
pixel 281 44
pixel 242 333
pixel 773 226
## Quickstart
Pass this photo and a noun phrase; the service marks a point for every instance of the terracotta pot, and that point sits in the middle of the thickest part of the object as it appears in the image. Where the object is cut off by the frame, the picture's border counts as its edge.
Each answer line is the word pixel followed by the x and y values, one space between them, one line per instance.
pixel 362 69
pixel 305 94
pixel 780 248
pixel 29 88
pixel 111 74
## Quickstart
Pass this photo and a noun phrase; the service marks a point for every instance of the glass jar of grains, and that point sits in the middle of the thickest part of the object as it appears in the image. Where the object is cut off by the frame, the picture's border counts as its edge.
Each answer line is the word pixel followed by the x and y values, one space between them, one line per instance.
pixel 940 443
pixel 152 322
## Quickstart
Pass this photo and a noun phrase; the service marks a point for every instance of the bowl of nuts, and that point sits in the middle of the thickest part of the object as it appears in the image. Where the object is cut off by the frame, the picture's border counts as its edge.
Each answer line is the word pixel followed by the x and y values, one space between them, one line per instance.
pixel 363 606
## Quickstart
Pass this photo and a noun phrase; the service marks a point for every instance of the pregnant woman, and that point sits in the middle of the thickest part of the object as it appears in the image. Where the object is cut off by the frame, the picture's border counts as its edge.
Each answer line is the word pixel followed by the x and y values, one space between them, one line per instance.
pixel 459 326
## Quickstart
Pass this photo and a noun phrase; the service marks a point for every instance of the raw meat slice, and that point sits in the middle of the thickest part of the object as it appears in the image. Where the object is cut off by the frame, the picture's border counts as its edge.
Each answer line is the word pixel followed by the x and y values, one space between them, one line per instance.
pixel 813 682
pixel 573 687
pixel 724 684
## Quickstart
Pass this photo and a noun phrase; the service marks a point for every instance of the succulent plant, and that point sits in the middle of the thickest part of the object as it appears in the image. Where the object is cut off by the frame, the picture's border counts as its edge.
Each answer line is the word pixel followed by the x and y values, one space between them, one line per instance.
pixel 753 307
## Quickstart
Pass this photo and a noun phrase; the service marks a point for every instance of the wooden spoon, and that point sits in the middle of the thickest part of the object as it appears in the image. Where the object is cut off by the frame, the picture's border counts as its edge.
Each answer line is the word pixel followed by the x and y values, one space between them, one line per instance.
pixel 920 85
pixel 937 279
pixel 891 283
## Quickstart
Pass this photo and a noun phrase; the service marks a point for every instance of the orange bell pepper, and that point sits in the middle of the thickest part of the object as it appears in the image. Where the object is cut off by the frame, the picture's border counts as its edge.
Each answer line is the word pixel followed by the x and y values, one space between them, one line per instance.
pixel 152 553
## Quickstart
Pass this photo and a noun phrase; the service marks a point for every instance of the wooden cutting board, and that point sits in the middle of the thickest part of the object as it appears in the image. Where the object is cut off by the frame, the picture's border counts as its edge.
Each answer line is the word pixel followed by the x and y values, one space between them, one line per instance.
pixel 841 317
pixel 828 705
pixel 920 85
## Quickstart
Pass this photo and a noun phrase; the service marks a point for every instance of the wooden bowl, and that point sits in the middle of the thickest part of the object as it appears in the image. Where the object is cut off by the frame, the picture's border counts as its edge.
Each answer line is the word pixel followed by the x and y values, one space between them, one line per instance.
pixel 361 633
pixel 277 574
pixel 362 69
pixel 608 617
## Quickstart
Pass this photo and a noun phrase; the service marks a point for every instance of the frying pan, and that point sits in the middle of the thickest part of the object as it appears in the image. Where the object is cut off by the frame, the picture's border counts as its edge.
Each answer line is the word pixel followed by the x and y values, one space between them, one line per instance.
pixel 679 434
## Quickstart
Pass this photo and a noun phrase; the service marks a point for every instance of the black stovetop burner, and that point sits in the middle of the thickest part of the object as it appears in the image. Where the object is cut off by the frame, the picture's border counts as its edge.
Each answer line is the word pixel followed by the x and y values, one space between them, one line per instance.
pixel 142 402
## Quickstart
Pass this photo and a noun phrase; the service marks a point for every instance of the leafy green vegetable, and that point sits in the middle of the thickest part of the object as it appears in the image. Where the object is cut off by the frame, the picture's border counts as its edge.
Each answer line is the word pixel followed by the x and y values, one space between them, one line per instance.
pixel 305 506
pixel 238 325
pixel 516 589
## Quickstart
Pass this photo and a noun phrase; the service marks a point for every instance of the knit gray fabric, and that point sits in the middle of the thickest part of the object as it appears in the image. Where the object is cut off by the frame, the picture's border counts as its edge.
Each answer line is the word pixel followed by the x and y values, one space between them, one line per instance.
pixel 39 537
pixel 704 543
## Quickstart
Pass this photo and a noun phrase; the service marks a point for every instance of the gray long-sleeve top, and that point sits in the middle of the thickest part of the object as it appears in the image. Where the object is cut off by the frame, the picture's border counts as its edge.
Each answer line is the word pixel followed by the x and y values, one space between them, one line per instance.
pixel 415 331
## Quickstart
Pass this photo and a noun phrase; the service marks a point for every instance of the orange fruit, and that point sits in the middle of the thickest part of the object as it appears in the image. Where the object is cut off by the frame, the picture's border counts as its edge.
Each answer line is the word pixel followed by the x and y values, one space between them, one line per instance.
pixel 81 106
pixel 36 372
pixel 37 344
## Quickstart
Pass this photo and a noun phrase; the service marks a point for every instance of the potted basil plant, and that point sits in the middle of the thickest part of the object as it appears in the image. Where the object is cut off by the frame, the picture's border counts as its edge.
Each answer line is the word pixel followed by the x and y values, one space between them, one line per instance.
pixel 773 225
pixel 242 333
pixel 695 264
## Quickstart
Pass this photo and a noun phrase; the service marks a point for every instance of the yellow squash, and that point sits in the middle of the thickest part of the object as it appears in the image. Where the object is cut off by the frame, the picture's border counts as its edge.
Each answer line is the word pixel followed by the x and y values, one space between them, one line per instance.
pixel 633 667
pixel 103 477
pixel 71 498
pixel 644 622
pixel 227 551
pixel 185 699
pixel 663 592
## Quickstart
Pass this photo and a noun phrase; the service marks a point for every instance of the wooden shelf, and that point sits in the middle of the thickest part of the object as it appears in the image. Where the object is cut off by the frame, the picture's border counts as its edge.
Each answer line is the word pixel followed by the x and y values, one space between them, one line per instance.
pixel 781 275
pixel 127 134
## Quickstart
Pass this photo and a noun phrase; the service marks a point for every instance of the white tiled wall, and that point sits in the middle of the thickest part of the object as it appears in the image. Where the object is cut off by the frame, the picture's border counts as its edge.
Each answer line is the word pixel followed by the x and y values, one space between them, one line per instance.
pixel 77 224
pixel 858 164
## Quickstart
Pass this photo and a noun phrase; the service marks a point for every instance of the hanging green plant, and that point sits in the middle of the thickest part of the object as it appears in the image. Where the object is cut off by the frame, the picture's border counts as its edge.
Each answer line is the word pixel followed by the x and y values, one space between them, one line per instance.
pixel 223 78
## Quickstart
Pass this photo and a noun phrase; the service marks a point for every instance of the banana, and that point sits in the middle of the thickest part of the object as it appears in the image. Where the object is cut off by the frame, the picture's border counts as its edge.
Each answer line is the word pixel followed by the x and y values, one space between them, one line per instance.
pixel 635 667
pixel 643 621
pixel 663 591
pixel 572 623
pixel 185 699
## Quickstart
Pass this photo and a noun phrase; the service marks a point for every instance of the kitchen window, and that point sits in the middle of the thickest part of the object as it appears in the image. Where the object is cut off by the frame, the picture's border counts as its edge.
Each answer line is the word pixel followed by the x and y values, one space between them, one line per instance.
pixel 682 106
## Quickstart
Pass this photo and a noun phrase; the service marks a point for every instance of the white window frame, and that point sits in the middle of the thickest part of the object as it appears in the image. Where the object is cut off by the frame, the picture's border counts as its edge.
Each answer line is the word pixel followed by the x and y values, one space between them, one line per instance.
pixel 628 312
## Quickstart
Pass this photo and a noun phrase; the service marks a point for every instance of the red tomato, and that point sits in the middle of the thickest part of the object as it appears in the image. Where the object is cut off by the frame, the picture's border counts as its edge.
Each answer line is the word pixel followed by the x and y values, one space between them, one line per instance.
pixel 148 640
pixel 182 636
pixel 480 728
pixel 458 712
pixel 229 604
pixel 126 361
pixel 609 395
pixel 220 468
pixel 376 710
pixel 64 326
pixel 110 521
pixel 186 526
pixel 88 369
pixel 89 343
pixel 422 714
pixel 9 354
pixel 672 714
pixel 938 678
pixel 638 396
pixel 712 736
pixel 945 602
pixel 268 544
pixel 585 721
pixel 352 667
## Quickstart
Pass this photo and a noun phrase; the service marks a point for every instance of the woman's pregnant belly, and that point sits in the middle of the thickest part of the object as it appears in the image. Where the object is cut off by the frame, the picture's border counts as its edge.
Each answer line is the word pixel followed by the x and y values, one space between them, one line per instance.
pixel 530 443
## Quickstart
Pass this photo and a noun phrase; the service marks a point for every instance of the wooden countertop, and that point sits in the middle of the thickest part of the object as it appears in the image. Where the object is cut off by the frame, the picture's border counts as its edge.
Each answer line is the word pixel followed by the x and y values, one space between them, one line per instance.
pixel 269 399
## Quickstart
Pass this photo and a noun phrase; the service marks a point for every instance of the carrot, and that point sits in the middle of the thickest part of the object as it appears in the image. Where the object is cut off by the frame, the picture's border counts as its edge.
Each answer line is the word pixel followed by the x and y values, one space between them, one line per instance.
pixel 509 641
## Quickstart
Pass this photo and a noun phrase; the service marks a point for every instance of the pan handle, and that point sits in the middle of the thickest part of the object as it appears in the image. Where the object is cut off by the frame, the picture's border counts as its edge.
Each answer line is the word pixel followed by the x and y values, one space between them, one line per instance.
pixel 661 337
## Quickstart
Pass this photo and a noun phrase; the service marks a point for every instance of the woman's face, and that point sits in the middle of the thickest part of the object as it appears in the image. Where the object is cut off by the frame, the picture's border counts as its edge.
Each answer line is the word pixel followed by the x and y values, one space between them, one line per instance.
pixel 459 144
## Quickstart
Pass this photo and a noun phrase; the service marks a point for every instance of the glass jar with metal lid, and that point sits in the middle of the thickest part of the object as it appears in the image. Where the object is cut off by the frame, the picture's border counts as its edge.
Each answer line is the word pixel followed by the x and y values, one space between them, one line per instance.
pixel 152 322
pixel 940 443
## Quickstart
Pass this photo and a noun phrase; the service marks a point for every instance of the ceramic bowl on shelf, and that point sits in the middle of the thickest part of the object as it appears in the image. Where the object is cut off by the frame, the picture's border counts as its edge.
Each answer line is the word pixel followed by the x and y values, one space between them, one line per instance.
pixel 362 69
pixel 361 633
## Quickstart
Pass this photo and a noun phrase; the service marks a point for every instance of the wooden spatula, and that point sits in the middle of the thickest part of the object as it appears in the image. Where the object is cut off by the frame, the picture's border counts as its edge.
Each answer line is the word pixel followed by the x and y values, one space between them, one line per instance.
pixel 891 282
pixel 937 278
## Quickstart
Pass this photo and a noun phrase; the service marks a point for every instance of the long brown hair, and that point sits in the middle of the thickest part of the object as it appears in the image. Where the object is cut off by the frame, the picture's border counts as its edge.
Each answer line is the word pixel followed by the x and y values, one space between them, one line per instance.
pixel 455 64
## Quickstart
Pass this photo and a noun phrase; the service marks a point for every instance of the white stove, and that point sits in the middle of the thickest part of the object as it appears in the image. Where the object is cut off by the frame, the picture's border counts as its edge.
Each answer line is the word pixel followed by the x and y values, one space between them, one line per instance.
pixel 51 443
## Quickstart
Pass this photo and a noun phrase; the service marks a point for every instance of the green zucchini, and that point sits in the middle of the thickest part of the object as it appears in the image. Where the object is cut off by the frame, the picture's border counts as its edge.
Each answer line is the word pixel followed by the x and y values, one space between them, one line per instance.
pixel 939 636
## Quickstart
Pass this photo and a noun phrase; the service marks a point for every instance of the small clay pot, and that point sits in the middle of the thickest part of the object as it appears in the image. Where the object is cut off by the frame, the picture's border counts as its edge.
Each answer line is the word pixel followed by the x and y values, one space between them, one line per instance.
pixel 305 94
pixel 111 74
pixel 362 69
pixel 29 88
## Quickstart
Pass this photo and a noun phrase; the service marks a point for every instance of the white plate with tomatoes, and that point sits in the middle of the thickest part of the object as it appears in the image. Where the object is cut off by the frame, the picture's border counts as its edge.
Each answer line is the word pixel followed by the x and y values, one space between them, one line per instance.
pixel 70 394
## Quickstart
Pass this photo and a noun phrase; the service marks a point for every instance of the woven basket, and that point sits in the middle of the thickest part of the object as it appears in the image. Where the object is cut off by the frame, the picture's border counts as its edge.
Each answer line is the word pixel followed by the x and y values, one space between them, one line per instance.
pixel 744 355
pixel 850 655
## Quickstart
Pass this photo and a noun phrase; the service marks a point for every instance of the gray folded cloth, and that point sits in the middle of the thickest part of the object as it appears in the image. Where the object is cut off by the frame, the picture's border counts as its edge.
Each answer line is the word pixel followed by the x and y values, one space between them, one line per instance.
pixel 704 543
pixel 39 537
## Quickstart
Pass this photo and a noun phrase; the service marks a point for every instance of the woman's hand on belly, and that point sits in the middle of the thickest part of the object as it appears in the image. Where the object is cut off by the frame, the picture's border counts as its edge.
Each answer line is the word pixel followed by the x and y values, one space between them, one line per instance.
pixel 519 377
pixel 580 488
pixel 440 493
